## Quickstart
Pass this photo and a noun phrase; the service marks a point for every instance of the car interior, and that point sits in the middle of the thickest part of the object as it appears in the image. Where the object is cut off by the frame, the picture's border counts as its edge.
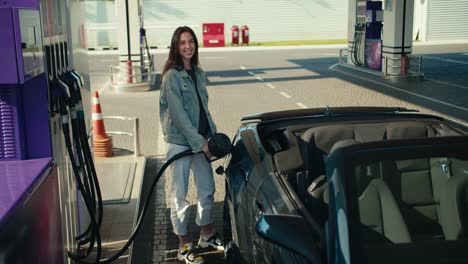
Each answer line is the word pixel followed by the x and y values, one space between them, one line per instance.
pixel 400 201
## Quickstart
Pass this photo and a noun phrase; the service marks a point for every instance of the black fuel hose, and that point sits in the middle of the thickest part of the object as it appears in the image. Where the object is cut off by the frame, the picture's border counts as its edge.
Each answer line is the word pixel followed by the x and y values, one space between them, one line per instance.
pixel 65 90
pixel 219 146
pixel 90 168
pixel 90 186
pixel 143 211
pixel 358 34
pixel 94 226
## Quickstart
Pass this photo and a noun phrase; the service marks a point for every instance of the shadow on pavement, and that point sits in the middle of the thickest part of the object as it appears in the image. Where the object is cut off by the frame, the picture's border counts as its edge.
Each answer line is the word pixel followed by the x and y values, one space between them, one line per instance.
pixel 444 88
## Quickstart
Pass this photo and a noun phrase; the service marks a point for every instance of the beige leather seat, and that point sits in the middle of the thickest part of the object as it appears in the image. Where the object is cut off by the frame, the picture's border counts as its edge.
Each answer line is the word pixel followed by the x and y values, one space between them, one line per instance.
pixel 316 144
pixel 303 160
pixel 433 199
pixel 379 214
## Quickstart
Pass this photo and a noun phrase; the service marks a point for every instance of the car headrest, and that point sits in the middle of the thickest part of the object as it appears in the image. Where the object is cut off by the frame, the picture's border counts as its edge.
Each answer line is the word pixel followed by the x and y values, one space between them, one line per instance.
pixel 325 137
pixel 343 143
pixel 406 131
pixel 290 159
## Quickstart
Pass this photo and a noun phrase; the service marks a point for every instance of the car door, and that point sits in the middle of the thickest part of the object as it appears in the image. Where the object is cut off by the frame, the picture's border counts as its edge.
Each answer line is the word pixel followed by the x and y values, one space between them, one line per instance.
pixel 420 180
pixel 244 174
pixel 254 190
pixel 272 198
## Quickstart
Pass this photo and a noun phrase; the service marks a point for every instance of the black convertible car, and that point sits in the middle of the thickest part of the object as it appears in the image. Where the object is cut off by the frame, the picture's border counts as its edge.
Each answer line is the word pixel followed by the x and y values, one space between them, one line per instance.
pixel 347 185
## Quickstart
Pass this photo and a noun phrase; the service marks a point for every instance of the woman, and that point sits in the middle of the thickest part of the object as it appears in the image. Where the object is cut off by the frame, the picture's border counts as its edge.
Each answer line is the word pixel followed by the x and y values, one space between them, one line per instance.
pixel 187 124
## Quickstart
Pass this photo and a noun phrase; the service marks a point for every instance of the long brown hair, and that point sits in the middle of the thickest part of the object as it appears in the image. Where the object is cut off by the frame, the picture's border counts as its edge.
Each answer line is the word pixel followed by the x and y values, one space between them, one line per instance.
pixel 174 58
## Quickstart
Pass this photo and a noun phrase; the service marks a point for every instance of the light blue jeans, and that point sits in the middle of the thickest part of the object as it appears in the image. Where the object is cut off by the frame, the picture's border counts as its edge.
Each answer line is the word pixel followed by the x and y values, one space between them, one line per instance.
pixel 178 173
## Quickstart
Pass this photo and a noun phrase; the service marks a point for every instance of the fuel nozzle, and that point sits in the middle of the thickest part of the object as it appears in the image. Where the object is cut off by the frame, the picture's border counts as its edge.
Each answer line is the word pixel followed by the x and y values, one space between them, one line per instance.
pixel 219 146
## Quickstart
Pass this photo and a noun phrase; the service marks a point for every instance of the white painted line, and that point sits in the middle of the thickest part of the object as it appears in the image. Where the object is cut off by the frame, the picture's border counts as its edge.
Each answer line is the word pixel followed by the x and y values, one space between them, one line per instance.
pixel 315 55
pixel 447 60
pixel 401 90
pixel 301 105
pixel 270 85
pixel 242 67
pixel 285 95
pixel 107 84
pixel 446 83
pixel 260 78
pixel 114 242
pixel 161 145
pixel 251 73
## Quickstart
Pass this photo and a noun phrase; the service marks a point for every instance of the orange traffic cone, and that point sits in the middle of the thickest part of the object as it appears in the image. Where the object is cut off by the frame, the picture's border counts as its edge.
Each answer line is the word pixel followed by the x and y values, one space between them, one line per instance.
pixel 101 141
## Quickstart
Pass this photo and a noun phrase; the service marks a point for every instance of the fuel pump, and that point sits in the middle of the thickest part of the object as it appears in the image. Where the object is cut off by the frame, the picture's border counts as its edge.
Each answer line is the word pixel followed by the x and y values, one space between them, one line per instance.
pixel 30 216
pixel 367 42
pixel 373 43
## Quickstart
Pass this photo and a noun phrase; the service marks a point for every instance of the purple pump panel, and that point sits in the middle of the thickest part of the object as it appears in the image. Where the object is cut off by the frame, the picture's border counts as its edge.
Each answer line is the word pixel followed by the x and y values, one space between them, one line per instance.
pixel 374 17
pixel 20 4
pixel 24 118
pixel 373 54
pixel 36 118
pixel 11 145
pixel 30 212
pixel 17 177
pixel 8 48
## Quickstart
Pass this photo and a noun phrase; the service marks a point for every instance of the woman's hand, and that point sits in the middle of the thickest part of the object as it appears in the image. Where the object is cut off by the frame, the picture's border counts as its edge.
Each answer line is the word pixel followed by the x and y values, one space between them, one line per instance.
pixel 206 150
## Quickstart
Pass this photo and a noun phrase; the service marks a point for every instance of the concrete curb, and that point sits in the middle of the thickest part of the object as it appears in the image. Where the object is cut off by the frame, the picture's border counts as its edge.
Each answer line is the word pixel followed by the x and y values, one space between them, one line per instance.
pixel 256 48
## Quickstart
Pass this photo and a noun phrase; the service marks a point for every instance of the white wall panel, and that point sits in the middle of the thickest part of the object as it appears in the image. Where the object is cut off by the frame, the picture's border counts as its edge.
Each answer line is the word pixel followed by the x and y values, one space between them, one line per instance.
pixel 447 20
pixel 101 27
pixel 268 20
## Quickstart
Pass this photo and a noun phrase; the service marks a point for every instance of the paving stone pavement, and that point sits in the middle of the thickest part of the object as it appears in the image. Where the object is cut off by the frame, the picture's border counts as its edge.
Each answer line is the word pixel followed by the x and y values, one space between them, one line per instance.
pixel 156 243
pixel 165 241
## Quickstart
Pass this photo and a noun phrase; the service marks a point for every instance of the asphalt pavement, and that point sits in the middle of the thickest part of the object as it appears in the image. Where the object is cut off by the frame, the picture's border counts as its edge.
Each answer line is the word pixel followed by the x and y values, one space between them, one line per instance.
pixel 244 81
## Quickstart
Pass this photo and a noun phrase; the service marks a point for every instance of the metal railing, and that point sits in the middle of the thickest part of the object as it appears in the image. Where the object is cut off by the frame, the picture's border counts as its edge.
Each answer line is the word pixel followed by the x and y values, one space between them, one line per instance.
pixel 128 75
pixel 342 51
pixel 136 139
pixel 412 68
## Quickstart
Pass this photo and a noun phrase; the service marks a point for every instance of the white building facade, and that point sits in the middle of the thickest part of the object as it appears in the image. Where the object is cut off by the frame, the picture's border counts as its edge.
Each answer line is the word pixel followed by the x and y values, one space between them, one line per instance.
pixel 268 20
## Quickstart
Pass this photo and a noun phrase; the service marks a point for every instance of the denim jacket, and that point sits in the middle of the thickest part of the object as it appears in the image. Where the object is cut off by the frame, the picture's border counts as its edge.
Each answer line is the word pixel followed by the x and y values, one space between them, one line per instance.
pixel 179 108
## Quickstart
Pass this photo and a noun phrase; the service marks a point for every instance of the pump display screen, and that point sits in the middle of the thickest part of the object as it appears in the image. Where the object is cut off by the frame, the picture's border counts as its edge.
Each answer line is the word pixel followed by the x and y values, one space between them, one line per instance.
pixel 31 42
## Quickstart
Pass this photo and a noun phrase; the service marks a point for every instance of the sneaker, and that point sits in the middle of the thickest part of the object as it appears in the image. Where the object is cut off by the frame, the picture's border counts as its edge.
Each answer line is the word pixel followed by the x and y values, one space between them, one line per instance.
pixel 211 241
pixel 186 254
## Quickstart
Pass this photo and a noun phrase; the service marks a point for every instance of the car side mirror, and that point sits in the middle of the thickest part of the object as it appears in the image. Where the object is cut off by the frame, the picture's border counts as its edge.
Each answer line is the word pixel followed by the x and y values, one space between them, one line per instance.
pixel 291 232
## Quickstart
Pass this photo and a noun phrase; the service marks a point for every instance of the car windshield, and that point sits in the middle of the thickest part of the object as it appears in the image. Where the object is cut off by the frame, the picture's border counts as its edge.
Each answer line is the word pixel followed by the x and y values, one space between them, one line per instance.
pixel 410 210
